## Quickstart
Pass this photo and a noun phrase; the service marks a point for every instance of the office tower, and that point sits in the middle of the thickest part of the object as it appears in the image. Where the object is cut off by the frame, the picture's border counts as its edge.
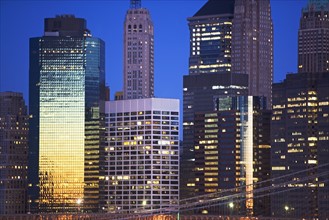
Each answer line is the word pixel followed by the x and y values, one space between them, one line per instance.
pixel 203 93
pixel 142 155
pixel 219 46
pixel 210 38
pixel 13 153
pixel 232 150
pixel 252 45
pixel 209 75
pixel 300 140
pixel 313 38
pixel 67 92
pixel 138 64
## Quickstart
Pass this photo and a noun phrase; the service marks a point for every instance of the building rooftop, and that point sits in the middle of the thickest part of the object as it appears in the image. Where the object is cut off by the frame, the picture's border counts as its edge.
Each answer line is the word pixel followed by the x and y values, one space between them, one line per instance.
pixel 65 25
pixel 215 7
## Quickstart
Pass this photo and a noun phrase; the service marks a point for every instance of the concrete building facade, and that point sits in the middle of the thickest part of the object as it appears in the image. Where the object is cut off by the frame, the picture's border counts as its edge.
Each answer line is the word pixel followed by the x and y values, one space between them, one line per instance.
pixel 142 152
pixel 138 53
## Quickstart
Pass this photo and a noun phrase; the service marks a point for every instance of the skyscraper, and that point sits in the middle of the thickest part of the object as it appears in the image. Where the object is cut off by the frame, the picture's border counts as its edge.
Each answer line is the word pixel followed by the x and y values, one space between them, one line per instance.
pixel 300 141
pixel 209 76
pixel 138 64
pixel 313 38
pixel 232 150
pixel 225 63
pixel 67 92
pixel 202 93
pixel 300 123
pixel 13 153
pixel 142 170
pixel 252 45
pixel 210 38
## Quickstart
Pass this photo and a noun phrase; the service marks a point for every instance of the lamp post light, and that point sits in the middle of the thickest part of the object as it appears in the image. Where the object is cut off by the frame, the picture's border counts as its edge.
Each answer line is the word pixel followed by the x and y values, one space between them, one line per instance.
pixel 287 210
pixel 231 206
pixel 79 202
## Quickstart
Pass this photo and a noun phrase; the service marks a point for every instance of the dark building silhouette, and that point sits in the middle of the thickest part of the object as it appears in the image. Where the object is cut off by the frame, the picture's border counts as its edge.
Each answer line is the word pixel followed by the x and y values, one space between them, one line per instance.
pixel 67 93
pixel 300 140
pixel 13 153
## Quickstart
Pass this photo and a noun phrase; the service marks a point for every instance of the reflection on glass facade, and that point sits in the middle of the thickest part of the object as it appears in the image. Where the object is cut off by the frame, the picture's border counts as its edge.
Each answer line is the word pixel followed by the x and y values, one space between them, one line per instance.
pixel 69 84
pixel 246 114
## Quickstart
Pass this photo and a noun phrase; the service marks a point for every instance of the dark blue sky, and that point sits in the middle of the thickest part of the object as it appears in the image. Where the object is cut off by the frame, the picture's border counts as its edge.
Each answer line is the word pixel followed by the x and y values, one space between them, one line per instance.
pixel 21 20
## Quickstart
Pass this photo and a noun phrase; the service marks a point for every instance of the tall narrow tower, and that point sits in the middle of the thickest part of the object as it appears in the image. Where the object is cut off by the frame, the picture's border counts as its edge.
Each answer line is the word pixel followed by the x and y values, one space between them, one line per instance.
pixel 252 45
pixel 313 38
pixel 138 69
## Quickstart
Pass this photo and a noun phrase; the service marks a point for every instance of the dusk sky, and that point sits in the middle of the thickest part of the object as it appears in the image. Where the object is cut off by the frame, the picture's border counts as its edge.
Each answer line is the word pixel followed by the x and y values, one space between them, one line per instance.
pixel 21 20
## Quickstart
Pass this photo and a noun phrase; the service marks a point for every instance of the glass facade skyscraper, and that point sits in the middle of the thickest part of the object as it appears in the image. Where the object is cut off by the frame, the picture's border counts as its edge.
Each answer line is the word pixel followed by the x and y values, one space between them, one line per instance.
pixel 211 36
pixel 67 92
pixel 209 76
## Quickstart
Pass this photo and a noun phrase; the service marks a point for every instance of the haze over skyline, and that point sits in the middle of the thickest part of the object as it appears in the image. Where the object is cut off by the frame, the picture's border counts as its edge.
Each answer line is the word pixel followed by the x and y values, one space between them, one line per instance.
pixel 21 20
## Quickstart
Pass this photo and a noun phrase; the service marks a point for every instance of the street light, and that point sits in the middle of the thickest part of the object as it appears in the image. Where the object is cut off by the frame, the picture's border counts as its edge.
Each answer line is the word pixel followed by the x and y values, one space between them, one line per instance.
pixel 287 209
pixel 79 202
pixel 231 206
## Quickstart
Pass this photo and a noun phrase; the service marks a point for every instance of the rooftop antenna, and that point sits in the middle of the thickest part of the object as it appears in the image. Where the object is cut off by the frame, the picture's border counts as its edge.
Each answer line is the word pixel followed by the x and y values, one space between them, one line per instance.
pixel 135 4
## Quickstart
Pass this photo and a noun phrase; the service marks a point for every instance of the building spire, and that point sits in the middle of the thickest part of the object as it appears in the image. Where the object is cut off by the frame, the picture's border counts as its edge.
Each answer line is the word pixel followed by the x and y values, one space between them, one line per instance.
pixel 135 4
